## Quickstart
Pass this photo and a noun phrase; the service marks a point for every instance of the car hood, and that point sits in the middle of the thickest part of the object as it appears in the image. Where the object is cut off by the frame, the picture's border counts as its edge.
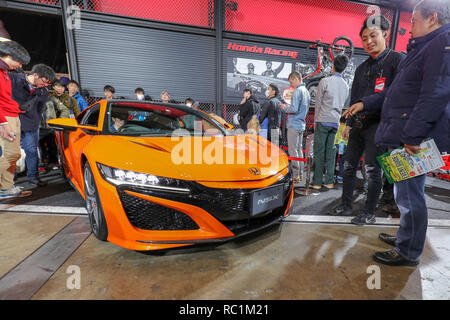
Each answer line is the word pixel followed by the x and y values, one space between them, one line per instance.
pixel 224 158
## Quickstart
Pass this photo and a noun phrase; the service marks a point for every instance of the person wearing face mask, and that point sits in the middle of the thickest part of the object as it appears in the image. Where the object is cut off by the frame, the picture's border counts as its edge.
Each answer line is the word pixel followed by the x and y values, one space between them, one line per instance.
pixel 140 95
pixel 189 102
pixel 271 114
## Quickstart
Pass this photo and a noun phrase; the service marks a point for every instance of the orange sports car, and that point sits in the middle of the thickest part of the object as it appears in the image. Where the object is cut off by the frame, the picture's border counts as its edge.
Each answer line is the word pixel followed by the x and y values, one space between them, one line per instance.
pixel 158 176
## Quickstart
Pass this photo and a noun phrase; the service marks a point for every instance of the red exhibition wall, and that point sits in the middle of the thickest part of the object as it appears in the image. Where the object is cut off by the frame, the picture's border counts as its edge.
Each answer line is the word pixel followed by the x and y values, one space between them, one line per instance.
pixel 300 19
pixel 405 24
pixel 295 19
pixel 309 20
pixel 188 12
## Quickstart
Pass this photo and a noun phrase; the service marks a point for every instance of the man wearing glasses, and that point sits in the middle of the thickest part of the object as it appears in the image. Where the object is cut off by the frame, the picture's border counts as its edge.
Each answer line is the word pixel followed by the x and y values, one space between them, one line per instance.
pixel 30 92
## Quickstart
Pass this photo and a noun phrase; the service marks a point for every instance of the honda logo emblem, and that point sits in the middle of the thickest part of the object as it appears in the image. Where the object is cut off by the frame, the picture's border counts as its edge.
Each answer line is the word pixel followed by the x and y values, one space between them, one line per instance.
pixel 254 171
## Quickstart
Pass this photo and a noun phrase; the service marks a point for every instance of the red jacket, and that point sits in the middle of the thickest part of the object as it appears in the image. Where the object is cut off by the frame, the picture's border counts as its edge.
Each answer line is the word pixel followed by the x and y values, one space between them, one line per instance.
pixel 8 107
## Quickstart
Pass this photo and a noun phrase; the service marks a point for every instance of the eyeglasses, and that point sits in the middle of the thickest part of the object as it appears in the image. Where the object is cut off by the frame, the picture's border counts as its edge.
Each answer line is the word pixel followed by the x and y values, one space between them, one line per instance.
pixel 45 81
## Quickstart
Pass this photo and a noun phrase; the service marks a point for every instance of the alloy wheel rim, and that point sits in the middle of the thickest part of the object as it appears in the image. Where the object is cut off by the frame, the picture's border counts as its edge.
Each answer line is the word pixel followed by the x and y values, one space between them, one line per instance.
pixel 91 200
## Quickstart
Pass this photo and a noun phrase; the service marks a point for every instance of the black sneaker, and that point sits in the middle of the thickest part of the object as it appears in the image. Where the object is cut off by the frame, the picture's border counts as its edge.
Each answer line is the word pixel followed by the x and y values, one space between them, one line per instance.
pixel 363 219
pixel 341 210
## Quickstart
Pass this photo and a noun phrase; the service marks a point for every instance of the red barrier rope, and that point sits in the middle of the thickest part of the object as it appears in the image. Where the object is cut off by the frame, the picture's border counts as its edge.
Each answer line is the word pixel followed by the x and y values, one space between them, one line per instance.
pixel 298 159
pixel 295 159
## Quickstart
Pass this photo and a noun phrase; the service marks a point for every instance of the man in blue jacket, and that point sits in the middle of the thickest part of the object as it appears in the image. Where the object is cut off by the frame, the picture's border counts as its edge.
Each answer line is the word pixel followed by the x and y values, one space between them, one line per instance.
pixel 73 87
pixel 415 107
pixel 296 123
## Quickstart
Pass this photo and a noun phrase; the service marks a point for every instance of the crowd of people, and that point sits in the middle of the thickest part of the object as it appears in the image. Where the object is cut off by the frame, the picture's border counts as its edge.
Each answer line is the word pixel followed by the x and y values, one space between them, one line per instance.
pixel 27 102
pixel 396 100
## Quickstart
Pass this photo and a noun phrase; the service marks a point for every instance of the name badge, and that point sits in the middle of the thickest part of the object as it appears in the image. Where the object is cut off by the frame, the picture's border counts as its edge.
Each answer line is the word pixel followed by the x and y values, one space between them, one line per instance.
pixel 379 84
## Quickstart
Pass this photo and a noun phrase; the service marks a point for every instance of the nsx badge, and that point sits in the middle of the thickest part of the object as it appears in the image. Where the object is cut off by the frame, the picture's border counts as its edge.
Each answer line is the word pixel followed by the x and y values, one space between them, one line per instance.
pixel 268 199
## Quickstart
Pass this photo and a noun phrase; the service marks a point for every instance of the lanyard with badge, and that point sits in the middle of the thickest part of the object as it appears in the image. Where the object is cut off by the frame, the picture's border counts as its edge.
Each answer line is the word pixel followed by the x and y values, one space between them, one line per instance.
pixel 380 82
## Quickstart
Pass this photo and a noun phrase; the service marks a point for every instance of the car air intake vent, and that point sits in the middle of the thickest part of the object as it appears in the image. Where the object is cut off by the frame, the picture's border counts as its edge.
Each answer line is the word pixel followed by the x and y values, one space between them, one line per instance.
pixel 148 215
pixel 233 200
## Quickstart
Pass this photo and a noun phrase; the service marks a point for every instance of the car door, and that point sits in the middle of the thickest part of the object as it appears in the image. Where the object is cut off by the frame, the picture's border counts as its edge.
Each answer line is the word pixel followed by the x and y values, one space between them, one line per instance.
pixel 79 139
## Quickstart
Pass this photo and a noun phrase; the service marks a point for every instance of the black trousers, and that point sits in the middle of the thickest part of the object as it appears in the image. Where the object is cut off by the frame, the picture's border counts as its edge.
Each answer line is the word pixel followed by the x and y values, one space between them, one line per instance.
pixel 362 141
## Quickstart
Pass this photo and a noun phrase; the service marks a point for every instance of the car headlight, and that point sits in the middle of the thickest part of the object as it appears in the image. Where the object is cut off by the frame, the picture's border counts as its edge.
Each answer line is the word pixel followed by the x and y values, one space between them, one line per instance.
pixel 119 177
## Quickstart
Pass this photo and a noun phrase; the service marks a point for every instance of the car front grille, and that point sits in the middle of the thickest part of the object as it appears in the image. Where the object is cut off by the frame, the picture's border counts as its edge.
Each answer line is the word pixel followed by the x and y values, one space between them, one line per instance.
pixel 245 225
pixel 229 206
pixel 233 200
pixel 148 215
pixel 238 200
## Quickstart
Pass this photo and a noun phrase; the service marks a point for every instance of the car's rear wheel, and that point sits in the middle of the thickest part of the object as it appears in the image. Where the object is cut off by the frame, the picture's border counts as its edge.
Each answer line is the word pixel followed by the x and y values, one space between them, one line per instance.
pixel 94 206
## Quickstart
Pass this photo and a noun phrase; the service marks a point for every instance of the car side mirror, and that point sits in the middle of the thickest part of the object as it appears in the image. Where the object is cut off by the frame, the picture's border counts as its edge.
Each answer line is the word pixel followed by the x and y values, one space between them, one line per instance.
pixel 63 124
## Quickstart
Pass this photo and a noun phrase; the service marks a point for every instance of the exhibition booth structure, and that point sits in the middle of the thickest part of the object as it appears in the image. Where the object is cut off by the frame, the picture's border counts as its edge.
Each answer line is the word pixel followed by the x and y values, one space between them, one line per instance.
pixel 208 50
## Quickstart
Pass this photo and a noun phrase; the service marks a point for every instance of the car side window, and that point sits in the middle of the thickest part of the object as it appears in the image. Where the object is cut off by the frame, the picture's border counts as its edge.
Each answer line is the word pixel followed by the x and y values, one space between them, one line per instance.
pixel 91 116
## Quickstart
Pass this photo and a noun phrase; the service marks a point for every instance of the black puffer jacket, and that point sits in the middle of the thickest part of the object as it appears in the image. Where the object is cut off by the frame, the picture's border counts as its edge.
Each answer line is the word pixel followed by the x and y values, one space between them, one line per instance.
pixel 271 110
pixel 247 110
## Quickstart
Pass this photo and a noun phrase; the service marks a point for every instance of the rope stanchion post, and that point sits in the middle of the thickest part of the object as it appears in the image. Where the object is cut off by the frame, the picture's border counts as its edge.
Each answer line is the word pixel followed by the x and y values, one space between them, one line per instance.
pixel 304 190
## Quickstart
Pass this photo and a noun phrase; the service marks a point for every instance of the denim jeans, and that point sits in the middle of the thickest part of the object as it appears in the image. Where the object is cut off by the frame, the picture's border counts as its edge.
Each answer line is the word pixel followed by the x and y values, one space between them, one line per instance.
pixel 29 143
pixel 362 141
pixel 324 154
pixel 410 198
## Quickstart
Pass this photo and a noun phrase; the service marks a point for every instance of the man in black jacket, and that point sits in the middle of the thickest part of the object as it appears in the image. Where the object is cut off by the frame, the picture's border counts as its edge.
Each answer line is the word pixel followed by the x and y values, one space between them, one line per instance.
pixel 271 110
pixel 249 106
pixel 29 91
pixel 373 75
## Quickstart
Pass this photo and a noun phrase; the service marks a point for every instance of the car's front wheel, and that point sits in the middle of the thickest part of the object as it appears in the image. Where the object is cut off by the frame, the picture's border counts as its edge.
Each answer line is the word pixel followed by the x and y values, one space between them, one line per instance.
pixel 94 206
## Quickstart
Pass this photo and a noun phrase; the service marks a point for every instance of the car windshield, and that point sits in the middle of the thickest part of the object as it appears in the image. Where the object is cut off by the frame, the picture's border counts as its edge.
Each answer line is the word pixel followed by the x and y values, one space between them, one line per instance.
pixel 148 119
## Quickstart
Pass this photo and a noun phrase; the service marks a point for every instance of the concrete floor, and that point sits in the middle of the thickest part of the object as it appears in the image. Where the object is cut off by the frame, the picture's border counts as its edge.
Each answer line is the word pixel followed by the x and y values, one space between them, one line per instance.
pixel 290 262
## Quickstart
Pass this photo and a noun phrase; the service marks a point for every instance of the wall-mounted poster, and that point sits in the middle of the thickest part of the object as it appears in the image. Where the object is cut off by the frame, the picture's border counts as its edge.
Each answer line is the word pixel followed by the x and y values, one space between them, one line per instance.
pixel 256 74
pixel 255 66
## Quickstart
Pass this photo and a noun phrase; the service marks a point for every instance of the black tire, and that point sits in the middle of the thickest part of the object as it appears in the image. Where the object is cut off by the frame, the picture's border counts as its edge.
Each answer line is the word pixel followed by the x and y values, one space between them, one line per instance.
pixel 94 206
pixel 345 46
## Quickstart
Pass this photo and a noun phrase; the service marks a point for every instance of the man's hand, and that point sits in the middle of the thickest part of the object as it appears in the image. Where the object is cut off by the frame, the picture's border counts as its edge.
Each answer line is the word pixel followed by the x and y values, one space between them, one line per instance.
pixel 357 107
pixel 244 99
pixel 346 132
pixel 412 150
pixel 7 133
